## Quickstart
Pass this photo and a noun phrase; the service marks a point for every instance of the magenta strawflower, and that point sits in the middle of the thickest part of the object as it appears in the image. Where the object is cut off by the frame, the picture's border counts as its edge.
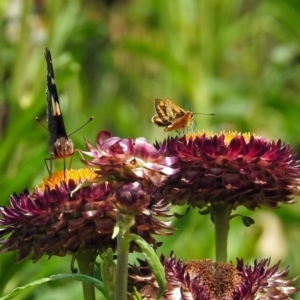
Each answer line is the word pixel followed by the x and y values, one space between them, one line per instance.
pixel 230 168
pixel 117 159
pixel 208 280
pixel 51 221
pixel 266 283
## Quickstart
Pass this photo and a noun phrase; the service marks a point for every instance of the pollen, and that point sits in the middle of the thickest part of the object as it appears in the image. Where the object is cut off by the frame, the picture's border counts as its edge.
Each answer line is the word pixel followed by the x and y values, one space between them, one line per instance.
pixel 78 175
pixel 228 135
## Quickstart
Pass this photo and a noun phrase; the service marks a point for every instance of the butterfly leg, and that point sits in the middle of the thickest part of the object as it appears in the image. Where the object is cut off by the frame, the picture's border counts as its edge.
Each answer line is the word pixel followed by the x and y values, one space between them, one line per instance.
pixel 194 125
pixel 49 165
pixel 49 168
pixel 71 158
pixel 180 131
pixel 70 163
pixel 64 168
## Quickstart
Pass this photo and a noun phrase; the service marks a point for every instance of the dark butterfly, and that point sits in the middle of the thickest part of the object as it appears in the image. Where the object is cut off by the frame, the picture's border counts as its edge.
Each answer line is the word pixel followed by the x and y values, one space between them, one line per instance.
pixel 60 144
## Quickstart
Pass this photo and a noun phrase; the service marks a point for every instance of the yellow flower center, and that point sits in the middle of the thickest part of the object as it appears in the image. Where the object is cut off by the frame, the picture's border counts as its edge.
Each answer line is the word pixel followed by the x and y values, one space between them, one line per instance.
pixel 78 175
pixel 228 135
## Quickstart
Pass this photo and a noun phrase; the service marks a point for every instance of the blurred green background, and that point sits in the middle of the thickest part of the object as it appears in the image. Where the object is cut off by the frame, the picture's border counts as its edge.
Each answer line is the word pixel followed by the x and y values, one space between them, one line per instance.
pixel 238 59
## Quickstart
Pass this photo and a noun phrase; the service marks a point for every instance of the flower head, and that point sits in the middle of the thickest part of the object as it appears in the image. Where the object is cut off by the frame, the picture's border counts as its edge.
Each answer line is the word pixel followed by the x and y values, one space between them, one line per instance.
pixel 237 169
pixel 265 282
pixel 51 221
pixel 131 197
pixel 207 280
pixel 129 160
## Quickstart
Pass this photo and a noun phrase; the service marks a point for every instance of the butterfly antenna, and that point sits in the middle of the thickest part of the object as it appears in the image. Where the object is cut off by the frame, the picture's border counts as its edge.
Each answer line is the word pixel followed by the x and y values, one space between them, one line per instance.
pixel 203 114
pixel 91 118
pixel 40 122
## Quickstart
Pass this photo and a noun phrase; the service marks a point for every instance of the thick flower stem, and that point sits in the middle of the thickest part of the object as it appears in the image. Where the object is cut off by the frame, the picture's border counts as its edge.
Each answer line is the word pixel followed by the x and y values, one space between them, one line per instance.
pixel 124 222
pixel 86 262
pixel 221 219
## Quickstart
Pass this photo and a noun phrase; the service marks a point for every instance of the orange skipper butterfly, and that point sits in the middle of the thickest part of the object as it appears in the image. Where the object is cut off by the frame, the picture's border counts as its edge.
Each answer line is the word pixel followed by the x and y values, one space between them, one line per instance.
pixel 171 116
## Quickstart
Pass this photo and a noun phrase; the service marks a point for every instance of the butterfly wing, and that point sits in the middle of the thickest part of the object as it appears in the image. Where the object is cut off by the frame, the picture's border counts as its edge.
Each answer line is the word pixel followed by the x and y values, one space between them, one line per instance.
pixel 173 110
pixel 181 123
pixel 161 117
pixel 179 118
pixel 55 119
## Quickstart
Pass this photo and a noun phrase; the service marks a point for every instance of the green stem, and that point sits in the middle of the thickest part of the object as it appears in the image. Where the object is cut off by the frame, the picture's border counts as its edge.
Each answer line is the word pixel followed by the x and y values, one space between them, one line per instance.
pixel 86 261
pixel 124 222
pixel 221 219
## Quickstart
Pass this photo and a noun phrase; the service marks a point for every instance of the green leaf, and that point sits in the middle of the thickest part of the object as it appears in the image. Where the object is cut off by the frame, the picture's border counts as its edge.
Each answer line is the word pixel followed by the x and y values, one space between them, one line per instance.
pixel 83 278
pixel 153 261
pixel 108 272
pixel 247 221
pixel 19 290
pixel 136 295
pixel 116 231
pixel 96 283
